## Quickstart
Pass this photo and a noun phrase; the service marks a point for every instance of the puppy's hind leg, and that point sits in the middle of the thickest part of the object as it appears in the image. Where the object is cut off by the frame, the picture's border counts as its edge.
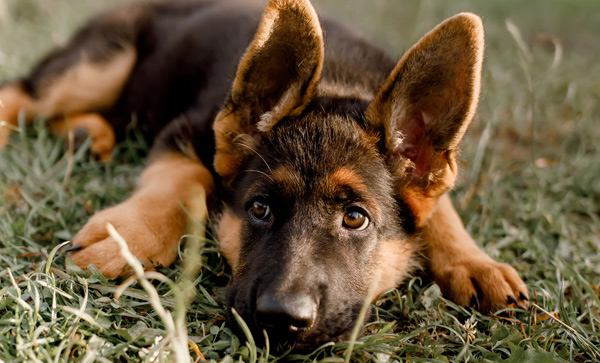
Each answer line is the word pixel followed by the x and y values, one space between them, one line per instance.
pixel 92 125
pixel 12 100
pixel 85 76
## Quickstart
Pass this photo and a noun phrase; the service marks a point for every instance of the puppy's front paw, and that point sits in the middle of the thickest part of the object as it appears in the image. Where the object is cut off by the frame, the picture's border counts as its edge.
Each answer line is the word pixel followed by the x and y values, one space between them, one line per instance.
pixel 151 229
pixel 482 283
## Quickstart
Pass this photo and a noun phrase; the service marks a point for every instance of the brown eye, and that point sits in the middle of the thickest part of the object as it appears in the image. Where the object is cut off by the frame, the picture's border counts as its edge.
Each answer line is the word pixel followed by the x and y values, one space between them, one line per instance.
pixel 260 211
pixel 356 220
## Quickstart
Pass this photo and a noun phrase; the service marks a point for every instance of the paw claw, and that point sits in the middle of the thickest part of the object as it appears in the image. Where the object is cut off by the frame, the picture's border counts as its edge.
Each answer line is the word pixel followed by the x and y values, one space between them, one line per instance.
pixel 482 283
pixel 136 220
pixel 475 302
pixel 73 248
pixel 522 296
pixel 79 137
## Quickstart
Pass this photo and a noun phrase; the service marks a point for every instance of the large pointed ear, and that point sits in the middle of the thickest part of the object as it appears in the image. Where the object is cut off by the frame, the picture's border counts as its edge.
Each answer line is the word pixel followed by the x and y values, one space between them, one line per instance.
pixel 276 78
pixel 425 107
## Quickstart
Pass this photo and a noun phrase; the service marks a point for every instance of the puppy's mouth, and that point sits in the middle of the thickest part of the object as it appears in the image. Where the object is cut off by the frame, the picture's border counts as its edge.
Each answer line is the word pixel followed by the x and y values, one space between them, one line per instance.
pixel 304 341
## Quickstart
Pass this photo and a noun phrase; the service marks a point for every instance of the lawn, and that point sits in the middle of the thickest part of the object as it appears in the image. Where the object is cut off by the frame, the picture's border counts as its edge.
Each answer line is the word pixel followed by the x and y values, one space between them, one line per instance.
pixel 529 193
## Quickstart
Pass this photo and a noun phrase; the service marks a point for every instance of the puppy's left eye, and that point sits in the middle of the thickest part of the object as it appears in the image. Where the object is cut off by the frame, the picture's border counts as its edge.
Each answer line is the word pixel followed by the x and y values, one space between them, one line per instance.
pixel 260 211
pixel 356 220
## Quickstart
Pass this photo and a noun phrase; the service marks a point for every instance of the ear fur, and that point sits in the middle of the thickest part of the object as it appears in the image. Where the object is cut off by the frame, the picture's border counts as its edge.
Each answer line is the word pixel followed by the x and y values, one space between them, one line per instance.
pixel 276 78
pixel 426 106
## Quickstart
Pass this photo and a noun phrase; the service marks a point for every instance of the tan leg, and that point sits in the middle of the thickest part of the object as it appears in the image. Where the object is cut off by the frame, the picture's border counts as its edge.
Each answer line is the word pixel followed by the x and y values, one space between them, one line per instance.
pixel 95 126
pixel 152 220
pixel 82 88
pixel 465 274
pixel 12 100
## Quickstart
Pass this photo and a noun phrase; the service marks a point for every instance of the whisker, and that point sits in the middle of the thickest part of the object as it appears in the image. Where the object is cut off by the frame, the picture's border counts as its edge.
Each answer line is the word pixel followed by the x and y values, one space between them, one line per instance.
pixel 256 152
pixel 260 172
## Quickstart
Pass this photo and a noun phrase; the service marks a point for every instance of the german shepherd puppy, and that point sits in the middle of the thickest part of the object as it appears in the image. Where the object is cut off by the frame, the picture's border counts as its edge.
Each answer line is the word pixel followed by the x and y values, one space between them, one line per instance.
pixel 326 162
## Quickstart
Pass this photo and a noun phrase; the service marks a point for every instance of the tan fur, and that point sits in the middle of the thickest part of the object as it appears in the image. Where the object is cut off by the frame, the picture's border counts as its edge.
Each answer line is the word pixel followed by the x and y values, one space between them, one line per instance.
pixel 228 230
pixel 95 126
pixel 12 100
pixel 455 261
pixel 152 220
pixel 284 176
pixel 421 206
pixel 235 124
pixel 83 88
pixel 347 177
pixel 86 86
pixel 395 262
pixel 231 146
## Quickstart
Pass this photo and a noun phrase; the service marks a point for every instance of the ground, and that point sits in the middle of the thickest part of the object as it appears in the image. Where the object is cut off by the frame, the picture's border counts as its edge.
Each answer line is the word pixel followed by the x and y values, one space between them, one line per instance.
pixel 529 193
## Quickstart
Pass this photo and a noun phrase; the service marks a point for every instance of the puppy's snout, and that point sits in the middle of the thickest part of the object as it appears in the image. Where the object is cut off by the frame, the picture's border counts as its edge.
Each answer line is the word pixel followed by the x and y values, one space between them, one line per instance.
pixel 292 312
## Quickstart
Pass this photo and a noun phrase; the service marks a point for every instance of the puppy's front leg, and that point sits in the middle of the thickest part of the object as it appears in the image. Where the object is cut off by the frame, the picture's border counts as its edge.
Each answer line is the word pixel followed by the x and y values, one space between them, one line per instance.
pixel 466 274
pixel 152 220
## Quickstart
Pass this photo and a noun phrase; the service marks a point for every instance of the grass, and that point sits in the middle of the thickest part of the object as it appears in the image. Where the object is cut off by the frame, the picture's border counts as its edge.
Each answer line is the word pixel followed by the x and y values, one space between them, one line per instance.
pixel 529 193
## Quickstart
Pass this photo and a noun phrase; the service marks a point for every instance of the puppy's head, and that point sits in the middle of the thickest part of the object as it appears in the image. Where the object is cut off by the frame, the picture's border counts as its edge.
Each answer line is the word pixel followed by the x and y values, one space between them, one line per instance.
pixel 326 193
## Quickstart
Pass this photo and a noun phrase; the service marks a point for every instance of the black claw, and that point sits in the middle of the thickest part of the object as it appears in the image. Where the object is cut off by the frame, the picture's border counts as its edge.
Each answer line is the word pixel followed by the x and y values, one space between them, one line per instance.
pixel 522 296
pixel 73 248
pixel 512 300
pixel 474 301
pixel 79 137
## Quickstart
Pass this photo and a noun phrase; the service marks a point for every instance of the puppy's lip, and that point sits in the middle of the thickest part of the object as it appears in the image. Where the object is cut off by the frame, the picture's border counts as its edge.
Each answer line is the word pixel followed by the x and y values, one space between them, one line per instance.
pixel 305 340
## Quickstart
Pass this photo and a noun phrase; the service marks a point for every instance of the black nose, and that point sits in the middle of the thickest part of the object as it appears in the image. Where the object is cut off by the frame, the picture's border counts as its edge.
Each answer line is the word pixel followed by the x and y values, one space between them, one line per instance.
pixel 294 312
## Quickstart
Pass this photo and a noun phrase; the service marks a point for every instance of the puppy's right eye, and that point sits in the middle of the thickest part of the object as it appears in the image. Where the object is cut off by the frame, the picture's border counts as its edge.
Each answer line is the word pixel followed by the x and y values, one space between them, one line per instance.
pixel 356 220
pixel 260 211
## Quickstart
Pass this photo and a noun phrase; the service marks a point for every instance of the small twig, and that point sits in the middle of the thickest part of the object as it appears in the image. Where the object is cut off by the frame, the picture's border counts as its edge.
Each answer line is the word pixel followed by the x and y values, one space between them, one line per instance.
pixel 180 346
pixel 555 318
pixel 70 158
pixel 9 126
